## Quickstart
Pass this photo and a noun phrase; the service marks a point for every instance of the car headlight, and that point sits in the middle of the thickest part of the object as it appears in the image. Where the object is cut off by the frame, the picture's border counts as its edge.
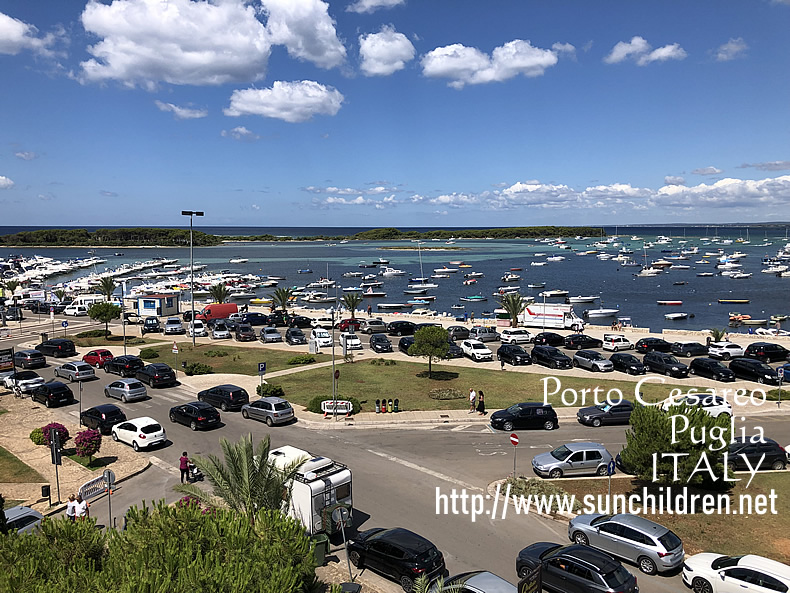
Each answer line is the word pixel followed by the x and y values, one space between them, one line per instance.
pixel 675 369
pixel 586 416
pixel 769 376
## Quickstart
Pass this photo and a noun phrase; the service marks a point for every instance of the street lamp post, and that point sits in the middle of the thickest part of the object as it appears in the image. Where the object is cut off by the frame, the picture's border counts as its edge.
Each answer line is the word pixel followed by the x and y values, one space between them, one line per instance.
pixel 192 213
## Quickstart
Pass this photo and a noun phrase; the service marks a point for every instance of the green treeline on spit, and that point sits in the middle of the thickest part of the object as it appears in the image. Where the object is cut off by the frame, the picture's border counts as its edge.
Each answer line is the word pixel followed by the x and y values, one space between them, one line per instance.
pixel 180 237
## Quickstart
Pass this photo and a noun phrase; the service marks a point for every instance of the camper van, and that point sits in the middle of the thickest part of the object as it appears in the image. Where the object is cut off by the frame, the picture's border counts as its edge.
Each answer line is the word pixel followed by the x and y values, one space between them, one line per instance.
pixel 86 300
pixel 551 316
pixel 321 485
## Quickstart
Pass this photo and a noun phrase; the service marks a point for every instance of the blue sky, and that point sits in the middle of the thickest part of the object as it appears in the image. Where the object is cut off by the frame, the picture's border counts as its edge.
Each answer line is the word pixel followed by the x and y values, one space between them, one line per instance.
pixel 394 112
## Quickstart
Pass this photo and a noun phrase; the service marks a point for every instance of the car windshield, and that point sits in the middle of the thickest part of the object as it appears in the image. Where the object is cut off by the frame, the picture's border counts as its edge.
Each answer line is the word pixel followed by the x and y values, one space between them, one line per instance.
pixel 83 367
pixel 479 347
pixel 725 562
pixel 514 409
pixel 669 540
pixel 517 350
pixel 136 385
pixel 151 428
pixel 429 556
pixel 601 519
pixel 672 360
pixel 764 367
pixel 618 577
pixel 561 452
pixel 25 375
pixel 595 356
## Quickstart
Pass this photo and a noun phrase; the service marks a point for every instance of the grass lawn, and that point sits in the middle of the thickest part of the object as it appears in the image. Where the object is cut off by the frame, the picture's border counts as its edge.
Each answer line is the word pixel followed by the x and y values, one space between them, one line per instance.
pixel 111 340
pixel 764 535
pixel 13 470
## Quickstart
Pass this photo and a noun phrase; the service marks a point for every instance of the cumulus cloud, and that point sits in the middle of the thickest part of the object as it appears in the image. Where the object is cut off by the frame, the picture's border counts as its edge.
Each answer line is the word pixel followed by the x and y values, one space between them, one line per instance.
pixel 17 36
pixel 349 191
pixel 368 6
pixel 565 49
pixel 26 155
pixel 181 112
pixel 240 133
pixel 293 102
pixel 385 52
pixel 770 165
pixel 640 51
pixel 706 171
pixel 5 182
pixel 468 65
pixel 731 50
pixel 307 31
pixel 673 180
pixel 755 195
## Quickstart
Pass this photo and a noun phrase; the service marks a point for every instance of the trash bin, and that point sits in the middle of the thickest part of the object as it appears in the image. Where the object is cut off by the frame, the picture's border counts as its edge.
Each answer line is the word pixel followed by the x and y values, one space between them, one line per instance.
pixel 378 406
pixel 321 542
pixel 44 336
pixel 395 406
pixel 350 587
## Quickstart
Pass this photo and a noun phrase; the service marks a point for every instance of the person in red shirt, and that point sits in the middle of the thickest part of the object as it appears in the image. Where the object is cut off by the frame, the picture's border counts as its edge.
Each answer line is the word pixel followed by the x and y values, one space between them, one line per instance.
pixel 184 467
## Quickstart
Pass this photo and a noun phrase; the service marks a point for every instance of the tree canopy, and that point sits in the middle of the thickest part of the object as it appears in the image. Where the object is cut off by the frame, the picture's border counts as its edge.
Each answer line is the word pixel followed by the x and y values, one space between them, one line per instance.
pixel 104 312
pixel 430 342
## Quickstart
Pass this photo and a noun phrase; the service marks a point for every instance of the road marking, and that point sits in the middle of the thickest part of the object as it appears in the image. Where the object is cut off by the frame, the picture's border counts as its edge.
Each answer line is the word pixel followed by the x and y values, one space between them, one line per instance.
pixel 424 470
pixel 161 464
pixel 460 428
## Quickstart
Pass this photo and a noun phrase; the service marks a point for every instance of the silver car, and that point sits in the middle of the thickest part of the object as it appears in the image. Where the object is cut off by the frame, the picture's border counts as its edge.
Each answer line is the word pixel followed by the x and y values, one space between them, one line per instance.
pixel 126 390
pixel 651 546
pixel 270 334
pixel 22 519
pixel 220 332
pixel 592 361
pixel 372 326
pixel 272 410
pixel 572 459
pixel 27 381
pixel 75 371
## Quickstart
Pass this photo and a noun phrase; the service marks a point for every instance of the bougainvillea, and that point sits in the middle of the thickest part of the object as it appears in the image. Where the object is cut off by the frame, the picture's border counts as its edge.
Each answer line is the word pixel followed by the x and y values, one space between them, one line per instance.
pixel 62 431
pixel 87 443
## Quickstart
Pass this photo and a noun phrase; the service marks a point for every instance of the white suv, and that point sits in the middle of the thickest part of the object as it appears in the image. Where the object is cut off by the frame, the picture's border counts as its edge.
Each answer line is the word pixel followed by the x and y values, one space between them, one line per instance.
pixel 724 350
pixel 616 342
pixel 476 350
pixel 515 335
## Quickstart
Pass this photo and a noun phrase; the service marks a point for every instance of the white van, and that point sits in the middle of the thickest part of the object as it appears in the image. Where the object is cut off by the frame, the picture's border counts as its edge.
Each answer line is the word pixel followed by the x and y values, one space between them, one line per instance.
pixel 616 342
pixel 76 310
pixel 197 329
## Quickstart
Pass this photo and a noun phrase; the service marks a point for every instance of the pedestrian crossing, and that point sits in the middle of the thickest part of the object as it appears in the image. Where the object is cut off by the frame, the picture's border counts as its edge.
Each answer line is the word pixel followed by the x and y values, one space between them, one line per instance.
pixel 172 395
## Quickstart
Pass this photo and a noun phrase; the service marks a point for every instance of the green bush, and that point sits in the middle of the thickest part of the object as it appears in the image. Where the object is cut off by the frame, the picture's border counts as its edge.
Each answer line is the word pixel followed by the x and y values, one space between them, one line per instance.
pixel 198 368
pixel 537 487
pixel 215 353
pixel 268 390
pixel 314 405
pixel 383 362
pixel 91 333
pixel 302 359
pixel 37 436
pixel 446 394
pixel 149 353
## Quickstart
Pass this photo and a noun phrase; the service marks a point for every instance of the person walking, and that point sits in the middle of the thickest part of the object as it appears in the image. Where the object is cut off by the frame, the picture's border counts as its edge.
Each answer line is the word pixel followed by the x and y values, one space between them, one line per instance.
pixel 70 508
pixel 370 311
pixel 481 403
pixel 81 510
pixel 183 465
pixel 472 400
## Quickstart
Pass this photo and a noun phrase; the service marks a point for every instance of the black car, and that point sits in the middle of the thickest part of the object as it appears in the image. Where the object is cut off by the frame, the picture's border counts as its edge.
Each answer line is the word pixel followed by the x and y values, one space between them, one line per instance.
pixel 52 394
pixel 575 567
pixel 458 332
pixel 294 335
pixel 300 321
pixel 652 345
pixel 665 364
pixel 549 356
pixel 278 318
pixel 245 333
pixel 225 397
pixel 255 319
pixel 29 359
pixel 41 307
pixel 689 349
pixel 157 374
pixel 195 415
pixel 380 343
pixel 102 418
pixel 579 341
pixel 767 352
pixel 400 328
pixel 754 370
pixel 710 368
pixel 454 350
pixel 14 314
pixel 125 366
pixel 398 554
pixel 549 339
pixel 627 363
pixel 57 347
pixel 151 325
pixel 405 343
pixel 526 415
pixel 606 413
pixel 747 454
pixel 513 354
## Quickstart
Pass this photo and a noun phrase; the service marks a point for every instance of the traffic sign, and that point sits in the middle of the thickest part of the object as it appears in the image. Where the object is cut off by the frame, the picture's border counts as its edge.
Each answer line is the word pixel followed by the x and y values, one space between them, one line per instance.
pixel 337 374
pixel 610 468
pixel 64 324
pixel 109 477
pixel 175 348
pixel 52 309
pixel 261 368
pixel 514 439
pixel 781 372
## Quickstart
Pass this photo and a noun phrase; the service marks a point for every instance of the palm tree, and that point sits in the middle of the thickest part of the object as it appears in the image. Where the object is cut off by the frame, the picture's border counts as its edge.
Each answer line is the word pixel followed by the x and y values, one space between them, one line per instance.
pixel 60 293
pixel 351 301
pixel 423 585
pixel 281 297
pixel 107 287
pixel 245 481
pixel 717 334
pixel 219 292
pixel 514 304
pixel 10 286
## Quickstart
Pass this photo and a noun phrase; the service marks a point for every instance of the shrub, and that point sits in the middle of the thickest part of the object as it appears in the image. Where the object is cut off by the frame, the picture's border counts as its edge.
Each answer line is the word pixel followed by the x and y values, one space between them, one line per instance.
pixel 198 368
pixel 37 436
pixel 536 487
pixel 87 443
pixel 91 333
pixel 148 353
pixel 62 431
pixel 215 353
pixel 302 359
pixel 314 405
pixel 446 394
pixel 383 362
pixel 268 390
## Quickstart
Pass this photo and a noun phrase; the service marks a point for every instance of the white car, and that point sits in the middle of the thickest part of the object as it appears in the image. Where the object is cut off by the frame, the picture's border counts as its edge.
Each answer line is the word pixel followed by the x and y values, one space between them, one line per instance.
pixel 173 326
pixel 323 322
pixel 322 337
pixel 197 329
pixel 616 342
pixel 27 381
pixel 714 405
pixel 76 310
pixel 350 341
pixel 140 433
pixel 724 350
pixel 476 350
pixel 220 332
pixel 515 335
pixel 716 573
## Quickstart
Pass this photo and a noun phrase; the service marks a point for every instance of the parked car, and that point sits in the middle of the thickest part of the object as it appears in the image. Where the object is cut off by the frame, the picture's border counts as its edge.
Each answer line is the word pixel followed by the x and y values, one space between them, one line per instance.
pixel 476 350
pixel 74 310
pixel 606 413
pixel 515 335
pixel 270 335
pixel 21 519
pixel 272 410
pixel 102 417
pixel 126 390
pixel 140 433
pixel 405 343
pixel 479 581
pixel 579 341
pixel 39 307
pixel 483 334
pixel 710 368
pixel 756 452
pixel 299 321
pixel 245 333
pixel 652 547
pixel 225 397
pixel 125 366
pixel 652 345
pixel 220 331
pixel 75 371
pixel 52 393
pixel 725 350
pixel 380 343
pixel 97 358
pixel 592 361
pixel 25 380
pixel 458 332
pixel 400 328
pixel 398 554
pixel 347 324
pixel 295 336
pixel 548 339
pixel 715 405
pixel 323 322
pixel 665 364
pixel 524 416
pixel 157 374
pixel 372 326
pixel 616 342
pixel 16 314
pixel 173 326
pixel 58 347
pixel 575 568
pixel 322 337
pixel 197 329
pixel 29 359
pixel 715 573
pixel 151 325
pixel 453 350
pixel 278 318
pixel 689 349
pixel 572 459
pixel 627 363
pixel 195 415
pixel 754 370
pixel 549 356
pixel 513 354
pixel 254 318
pixel 767 352
pixel 132 318
pixel 350 341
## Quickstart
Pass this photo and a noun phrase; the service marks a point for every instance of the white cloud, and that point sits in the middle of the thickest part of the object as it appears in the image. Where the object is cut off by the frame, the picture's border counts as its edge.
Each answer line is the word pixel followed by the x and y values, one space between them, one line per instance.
pixel 706 171
pixel 623 50
pixel 368 6
pixel 108 194
pixel 674 180
pixel 754 195
pixel 565 49
pixel 26 155
pixel 639 50
pixel 662 54
pixel 255 206
pixel 181 112
pixel 349 191
pixel 385 52
pixel 770 165
pixel 293 102
pixel 358 201
pixel 731 50
pixel 468 65
pixel 16 36
pixel 5 183
pixel 143 42
pixel 307 31
pixel 240 133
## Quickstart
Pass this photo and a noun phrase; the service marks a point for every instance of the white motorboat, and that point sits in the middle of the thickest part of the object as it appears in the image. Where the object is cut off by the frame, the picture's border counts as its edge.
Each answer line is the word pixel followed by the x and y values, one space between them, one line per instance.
pixel 238 260
pixel 676 316
pixel 596 313
pixel 389 272
pixel 553 293
pixel 582 299
pixel 510 277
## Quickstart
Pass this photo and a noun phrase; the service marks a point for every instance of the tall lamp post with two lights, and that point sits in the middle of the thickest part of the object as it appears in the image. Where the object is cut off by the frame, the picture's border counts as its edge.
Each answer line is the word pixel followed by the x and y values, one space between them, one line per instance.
pixel 192 213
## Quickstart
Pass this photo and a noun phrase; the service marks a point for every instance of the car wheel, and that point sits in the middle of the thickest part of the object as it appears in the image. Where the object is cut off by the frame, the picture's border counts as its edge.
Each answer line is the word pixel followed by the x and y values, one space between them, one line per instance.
pixel 596 422
pixel 581 539
pixel 498 357
pixel 576 363
pixel 71 378
pixel 123 399
pixel 135 446
pixel 507 426
pixel 616 348
pixel 106 393
pixel 269 421
pixel 406 584
pixel 47 403
pixel 601 471
pixel 245 414
pixel 56 371
pixel 555 473
pixel 193 425
pixel 668 373
pixel 200 398
pixel 523 572
pixel 760 380
pixel 115 437
pixel 548 425
pixel 692 371
pixel 398 333
pixel 700 585
pixel 356 560
pixel 725 356
pixel 172 417
pixel 777 465
pixel 97 365
pixel 646 565
pixel 223 406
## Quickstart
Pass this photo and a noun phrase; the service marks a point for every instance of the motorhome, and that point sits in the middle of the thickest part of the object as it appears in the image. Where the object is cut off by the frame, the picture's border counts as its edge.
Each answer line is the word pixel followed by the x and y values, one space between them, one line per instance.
pixel 551 316
pixel 321 485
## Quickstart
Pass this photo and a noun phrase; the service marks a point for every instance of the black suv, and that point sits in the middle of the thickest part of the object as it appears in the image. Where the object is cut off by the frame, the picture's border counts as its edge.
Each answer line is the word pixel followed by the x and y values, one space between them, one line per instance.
pixel 300 321
pixel 579 341
pixel 29 359
pixel 125 366
pixel 245 333
pixel 549 339
pixel 627 363
pixel 277 318
pixel 151 325
pixel 41 307
pixel 652 345
pixel 513 354
pixel 195 415
pixel 710 368
pixel 157 374
pixel 754 370
pixel 767 352
pixel 454 350
pixel 742 451
pixel 665 364
pixel 606 413
pixel 526 415
pixel 549 356
pixel 58 348
pixel 380 343
pixel 689 349
pixel 255 319
pixel 400 328
pixel 225 397
pixel 52 394
pixel 405 343
pixel 102 418
pixel 294 335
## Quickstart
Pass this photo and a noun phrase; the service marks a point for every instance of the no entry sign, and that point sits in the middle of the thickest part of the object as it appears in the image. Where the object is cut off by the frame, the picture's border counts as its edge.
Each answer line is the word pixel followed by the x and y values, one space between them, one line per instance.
pixel 514 439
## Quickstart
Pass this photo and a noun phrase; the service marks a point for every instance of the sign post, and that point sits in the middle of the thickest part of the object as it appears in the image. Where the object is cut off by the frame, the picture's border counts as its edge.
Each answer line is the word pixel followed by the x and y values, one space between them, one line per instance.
pixel 514 442
pixel 64 325
pixel 336 376
pixel 780 372
pixel 54 449
pixel 261 373
pixel 175 358
pixel 609 472
pixel 109 481
pixel 52 318
pixel 340 516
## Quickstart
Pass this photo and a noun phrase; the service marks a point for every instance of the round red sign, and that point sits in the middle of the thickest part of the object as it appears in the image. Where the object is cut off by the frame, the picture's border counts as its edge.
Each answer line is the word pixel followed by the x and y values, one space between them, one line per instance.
pixel 514 439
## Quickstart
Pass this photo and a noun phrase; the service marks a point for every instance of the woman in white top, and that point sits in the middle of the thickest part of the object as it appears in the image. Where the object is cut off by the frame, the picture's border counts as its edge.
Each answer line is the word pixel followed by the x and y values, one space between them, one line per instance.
pixel 71 508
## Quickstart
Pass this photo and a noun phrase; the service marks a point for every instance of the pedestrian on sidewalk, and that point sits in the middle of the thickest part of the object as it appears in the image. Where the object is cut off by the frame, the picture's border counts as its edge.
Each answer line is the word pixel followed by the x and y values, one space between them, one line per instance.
pixel 481 403
pixel 70 508
pixel 466 316
pixel 81 510
pixel 472 317
pixel 183 465
pixel 370 311
pixel 472 400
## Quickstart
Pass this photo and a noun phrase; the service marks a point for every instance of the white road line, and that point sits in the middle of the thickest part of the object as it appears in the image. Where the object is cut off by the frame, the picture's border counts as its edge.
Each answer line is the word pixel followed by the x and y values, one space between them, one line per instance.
pixel 167 398
pixel 425 470
pixel 459 428
pixel 161 464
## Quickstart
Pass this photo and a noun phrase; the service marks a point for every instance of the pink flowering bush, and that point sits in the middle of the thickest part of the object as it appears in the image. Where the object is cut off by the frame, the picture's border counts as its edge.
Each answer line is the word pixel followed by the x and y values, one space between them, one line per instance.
pixel 62 431
pixel 87 443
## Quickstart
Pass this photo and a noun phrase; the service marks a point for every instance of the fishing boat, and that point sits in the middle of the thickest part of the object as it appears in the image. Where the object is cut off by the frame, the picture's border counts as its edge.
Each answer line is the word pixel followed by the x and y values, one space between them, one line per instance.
pixel 601 312
pixel 582 299
pixel 415 291
pixel 381 261
pixel 676 316
pixel 318 297
pixel 740 276
pixel 669 303
pixel 388 272
pixel 352 275
pixel 371 284
pixel 475 298
pixel 754 321
pixel 734 302
pixel 474 275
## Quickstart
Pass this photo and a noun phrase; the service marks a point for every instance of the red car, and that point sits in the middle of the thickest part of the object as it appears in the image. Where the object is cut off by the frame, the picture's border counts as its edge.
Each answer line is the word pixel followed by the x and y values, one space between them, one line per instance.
pixel 97 358
pixel 349 324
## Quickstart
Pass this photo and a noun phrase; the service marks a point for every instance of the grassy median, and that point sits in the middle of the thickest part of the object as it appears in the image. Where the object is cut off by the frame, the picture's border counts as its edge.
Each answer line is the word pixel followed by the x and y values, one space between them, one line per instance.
pixel 14 470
